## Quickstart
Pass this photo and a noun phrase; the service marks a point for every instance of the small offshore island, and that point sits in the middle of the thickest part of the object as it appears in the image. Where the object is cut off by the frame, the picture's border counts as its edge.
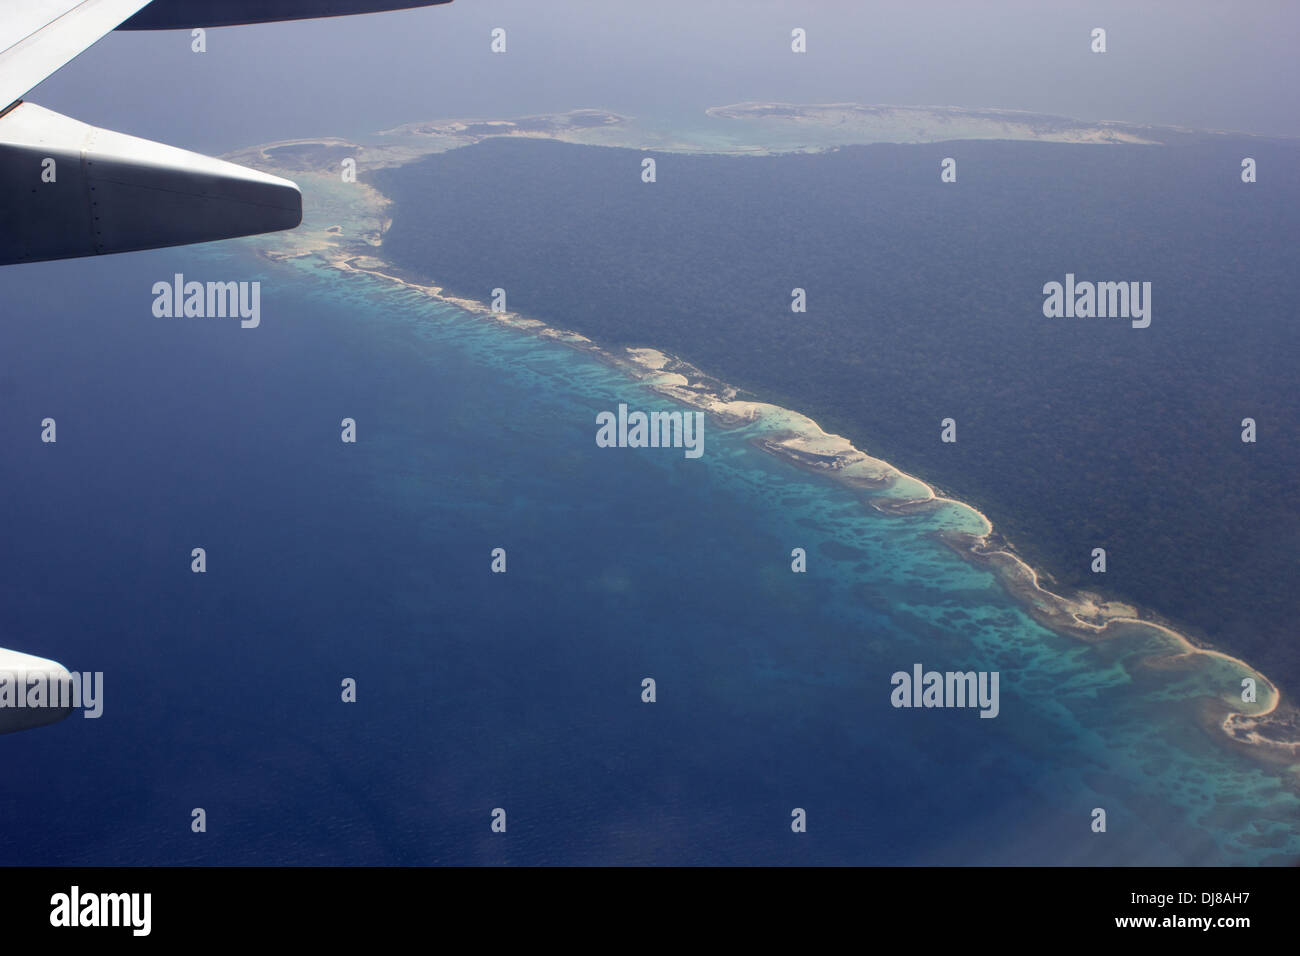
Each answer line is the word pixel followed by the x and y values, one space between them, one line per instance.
pixel 346 224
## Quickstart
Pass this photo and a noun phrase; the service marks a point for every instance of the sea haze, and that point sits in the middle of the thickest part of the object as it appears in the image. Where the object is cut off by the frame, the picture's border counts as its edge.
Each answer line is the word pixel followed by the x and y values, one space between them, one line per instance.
pixel 925 302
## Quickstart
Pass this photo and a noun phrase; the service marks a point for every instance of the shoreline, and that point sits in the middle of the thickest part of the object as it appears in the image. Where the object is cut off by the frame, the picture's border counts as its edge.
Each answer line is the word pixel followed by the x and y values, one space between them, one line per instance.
pixel 1268 730
pixel 800 441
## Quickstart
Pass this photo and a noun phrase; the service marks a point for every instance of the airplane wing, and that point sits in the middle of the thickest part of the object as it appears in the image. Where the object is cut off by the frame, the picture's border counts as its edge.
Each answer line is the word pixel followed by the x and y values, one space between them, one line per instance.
pixel 26 700
pixel 187 14
pixel 39 36
pixel 69 189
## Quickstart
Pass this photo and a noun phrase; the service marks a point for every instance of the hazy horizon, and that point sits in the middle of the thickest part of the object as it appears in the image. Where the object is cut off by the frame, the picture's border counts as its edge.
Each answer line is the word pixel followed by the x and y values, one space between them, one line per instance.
pixel 1166 64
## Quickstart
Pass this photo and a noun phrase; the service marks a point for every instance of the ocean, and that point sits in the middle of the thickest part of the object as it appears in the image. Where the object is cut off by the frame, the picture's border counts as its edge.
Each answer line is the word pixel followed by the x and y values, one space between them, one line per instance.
pixel 519 691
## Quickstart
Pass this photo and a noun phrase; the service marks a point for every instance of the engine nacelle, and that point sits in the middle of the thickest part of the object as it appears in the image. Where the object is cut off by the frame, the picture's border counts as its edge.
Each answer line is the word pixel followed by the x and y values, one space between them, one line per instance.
pixel 68 189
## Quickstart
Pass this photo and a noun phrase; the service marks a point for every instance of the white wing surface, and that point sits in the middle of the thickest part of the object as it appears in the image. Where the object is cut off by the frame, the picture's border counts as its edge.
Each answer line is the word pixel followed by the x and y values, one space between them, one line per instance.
pixel 39 36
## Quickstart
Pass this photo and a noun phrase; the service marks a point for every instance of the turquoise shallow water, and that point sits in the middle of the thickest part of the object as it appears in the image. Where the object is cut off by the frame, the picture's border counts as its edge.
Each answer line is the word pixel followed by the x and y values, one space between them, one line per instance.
pixel 1096 723
pixel 522 691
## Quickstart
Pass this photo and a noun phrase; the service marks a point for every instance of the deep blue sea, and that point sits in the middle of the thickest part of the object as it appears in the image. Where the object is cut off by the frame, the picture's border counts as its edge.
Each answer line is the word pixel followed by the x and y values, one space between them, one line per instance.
pixel 522 690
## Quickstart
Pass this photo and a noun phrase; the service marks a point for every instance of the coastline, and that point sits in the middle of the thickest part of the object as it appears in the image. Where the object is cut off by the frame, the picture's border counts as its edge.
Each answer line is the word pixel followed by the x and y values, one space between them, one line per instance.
pixel 1268 729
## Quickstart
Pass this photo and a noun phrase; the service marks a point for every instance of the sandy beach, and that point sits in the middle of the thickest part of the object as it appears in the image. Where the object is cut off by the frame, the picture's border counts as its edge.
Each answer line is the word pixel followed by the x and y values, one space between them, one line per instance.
pixel 1269 727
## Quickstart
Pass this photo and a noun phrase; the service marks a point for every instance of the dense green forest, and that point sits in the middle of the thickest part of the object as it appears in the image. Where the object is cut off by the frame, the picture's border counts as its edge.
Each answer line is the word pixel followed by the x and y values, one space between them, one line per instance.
pixel 925 302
